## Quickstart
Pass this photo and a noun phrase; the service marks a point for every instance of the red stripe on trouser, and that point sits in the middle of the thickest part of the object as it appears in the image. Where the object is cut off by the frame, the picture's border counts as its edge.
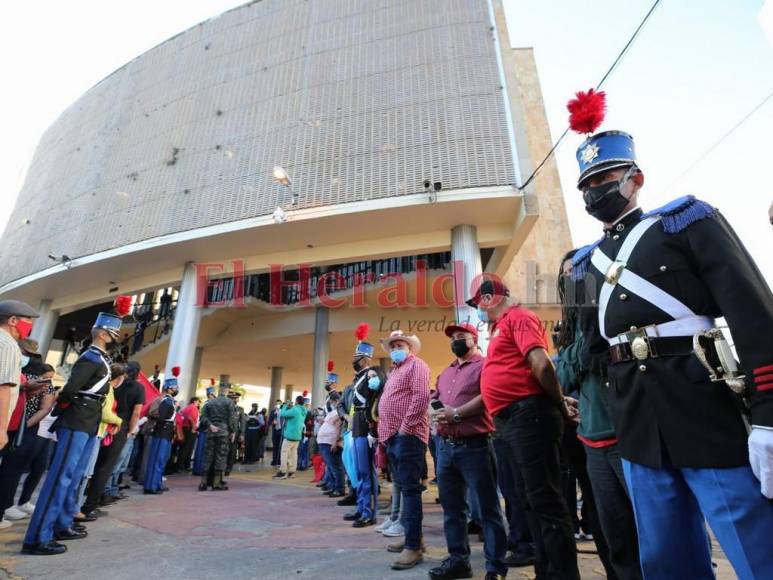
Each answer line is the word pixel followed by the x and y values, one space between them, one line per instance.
pixel 763 370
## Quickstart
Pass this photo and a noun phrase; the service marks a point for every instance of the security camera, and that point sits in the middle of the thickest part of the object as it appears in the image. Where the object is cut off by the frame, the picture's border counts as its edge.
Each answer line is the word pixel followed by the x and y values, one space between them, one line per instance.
pixel 438 186
pixel 427 184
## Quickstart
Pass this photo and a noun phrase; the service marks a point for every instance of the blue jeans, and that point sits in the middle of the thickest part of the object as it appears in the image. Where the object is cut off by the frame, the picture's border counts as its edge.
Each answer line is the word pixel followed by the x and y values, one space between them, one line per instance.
pixel 366 491
pixel 334 466
pixel 615 513
pixel 407 454
pixel 519 538
pixel 670 506
pixel 120 467
pixel 471 468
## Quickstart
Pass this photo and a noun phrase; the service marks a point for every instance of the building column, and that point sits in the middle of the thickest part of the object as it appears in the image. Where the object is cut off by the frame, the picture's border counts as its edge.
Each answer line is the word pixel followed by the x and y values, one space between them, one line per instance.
pixel 185 330
pixel 44 326
pixel 188 390
pixel 321 355
pixel 288 393
pixel 276 385
pixel 465 256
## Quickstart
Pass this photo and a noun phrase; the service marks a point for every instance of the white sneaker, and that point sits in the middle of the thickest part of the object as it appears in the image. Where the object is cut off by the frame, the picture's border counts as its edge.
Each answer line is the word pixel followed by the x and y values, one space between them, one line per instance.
pixel 395 530
pixel 384 525
pixel 28 507
pixel 14 513
pixel 4 523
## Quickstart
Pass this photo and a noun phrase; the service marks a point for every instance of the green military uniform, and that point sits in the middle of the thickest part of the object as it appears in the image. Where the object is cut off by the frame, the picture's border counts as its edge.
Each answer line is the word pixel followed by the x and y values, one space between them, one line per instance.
pixel 218 413
pixel 240 426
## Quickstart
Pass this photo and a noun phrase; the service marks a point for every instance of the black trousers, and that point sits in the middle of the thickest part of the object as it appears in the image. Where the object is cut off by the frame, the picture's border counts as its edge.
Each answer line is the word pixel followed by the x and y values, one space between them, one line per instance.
pixel 533 427
pixel 186 450
pixel 276 440
pixel 251 444
pixel 106 461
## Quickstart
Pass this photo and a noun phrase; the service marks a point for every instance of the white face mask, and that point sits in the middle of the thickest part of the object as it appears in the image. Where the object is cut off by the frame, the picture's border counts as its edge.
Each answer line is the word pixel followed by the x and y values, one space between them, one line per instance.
pixel 25 360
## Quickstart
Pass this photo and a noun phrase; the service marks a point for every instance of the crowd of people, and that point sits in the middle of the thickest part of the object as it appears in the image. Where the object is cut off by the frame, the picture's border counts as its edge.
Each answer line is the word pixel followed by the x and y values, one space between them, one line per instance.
pixel 641 406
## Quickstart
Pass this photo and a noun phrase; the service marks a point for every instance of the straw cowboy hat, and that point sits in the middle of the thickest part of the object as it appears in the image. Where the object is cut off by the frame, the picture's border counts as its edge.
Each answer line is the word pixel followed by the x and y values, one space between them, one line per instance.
pixel 411 339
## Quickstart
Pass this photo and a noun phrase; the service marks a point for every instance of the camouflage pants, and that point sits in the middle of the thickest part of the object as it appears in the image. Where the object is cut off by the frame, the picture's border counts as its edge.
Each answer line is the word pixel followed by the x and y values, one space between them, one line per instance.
pixel 215 452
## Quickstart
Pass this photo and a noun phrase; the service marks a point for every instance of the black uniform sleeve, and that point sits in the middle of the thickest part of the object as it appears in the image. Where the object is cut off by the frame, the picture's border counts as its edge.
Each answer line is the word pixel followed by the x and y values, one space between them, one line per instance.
pixel 744 299
pixel 81 376
pixel 165 410
pixel 204 422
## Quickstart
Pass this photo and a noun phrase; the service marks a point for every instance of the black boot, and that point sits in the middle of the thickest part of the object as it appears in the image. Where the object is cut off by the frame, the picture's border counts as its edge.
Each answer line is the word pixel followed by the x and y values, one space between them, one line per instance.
pixel 218 484
pixel 449 570
pixel 203 483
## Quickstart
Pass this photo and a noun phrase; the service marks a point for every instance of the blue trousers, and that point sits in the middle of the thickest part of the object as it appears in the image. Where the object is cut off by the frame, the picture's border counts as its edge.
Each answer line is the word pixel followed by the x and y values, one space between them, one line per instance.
pixel 198 454
pixel 405 453
pixel 464 472
pixel 334 467
pixel 59 493
pixel 366 491
pixel 160 449
pixel 670 505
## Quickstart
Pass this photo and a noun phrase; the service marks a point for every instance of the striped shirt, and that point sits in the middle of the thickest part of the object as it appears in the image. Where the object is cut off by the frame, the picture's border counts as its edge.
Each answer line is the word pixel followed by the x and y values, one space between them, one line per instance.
pixel 10 366
pixel 405 401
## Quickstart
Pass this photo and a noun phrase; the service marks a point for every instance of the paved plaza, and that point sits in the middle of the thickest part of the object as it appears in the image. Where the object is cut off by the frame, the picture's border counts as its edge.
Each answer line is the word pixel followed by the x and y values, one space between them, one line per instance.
pixel 260 528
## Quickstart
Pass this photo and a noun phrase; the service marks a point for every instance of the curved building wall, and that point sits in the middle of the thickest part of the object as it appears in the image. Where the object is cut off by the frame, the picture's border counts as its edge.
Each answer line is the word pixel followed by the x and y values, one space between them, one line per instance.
pixel 357 100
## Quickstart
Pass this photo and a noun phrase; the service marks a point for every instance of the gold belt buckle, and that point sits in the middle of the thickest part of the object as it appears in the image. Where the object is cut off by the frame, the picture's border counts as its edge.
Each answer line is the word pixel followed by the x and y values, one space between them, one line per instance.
pixel 614 272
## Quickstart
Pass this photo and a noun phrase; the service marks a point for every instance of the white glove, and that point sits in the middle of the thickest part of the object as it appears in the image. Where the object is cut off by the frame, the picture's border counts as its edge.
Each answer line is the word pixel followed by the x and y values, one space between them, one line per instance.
pixel 761 458
pixel 372 440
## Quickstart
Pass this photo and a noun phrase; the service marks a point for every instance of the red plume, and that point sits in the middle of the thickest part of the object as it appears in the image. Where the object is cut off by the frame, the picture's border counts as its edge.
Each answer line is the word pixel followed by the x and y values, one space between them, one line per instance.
pixel 155 368
pixel 363 328
pixel 122 305
pixel 212 381
pixel 587 110
pixel 305 393
pixel 176 371
pixel 330 366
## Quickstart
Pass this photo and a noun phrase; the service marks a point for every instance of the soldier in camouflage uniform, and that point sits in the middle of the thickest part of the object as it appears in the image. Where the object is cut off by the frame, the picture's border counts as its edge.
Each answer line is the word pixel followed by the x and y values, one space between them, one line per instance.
pixel 240 426
pixel 218 420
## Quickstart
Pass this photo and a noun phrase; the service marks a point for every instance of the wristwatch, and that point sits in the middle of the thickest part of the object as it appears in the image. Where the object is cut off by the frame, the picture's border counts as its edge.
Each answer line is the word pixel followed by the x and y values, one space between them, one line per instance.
pixel 457 417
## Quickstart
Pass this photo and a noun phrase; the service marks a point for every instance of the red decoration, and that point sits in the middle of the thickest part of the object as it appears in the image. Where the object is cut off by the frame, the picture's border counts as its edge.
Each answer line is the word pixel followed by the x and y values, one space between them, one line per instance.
pixel 305 393
pixel 363 328
pixel 122 305
pixel 175 371
pixel 330 366
pixel 212 382
pixel 156 368
pixel 587 110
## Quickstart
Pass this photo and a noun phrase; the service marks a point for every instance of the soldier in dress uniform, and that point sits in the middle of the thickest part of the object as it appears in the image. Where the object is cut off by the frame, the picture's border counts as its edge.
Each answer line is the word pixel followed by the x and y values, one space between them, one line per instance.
pixel 218 420
pixel 658 280
pixel 366 387
pixel 78 412
pixel 240 421
pixel 161 439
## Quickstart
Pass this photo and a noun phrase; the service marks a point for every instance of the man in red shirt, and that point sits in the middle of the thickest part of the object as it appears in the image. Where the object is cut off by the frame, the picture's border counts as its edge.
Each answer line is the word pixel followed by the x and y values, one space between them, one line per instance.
pixel 190 420
pixel 465 460
pixel 404 428
pixel 520 389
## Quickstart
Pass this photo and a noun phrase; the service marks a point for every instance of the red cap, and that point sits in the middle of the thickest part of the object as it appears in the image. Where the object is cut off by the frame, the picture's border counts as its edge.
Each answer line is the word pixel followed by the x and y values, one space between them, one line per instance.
pixel 463 327
pixel 493 286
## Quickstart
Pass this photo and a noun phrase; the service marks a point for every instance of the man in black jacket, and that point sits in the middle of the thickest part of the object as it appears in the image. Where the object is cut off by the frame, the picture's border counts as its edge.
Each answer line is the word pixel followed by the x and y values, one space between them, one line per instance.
pixel 658 281
pixel 161 440
pixel 78 412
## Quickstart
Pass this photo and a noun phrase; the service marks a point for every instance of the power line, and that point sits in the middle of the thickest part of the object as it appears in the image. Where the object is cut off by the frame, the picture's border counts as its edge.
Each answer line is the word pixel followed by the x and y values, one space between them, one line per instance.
pixel 598 86
pixel 717 143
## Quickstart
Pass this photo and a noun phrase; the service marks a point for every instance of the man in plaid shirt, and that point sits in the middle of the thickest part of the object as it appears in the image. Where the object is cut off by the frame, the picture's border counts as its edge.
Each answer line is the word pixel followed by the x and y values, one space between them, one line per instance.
pixel 404 428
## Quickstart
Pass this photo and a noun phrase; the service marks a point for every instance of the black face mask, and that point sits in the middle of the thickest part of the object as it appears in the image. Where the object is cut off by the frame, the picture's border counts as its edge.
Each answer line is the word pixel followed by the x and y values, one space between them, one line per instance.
pixel 605 202
pixel 459 347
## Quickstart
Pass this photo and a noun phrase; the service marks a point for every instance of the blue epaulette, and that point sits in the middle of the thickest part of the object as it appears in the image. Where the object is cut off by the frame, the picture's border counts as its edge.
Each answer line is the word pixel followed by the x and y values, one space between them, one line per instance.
pixel 93 355
pixel 581 260
pixel 682 212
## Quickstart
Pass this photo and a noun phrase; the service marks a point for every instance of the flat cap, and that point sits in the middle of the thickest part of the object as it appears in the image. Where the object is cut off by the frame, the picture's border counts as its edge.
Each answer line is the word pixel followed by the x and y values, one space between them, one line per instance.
pixel 17 308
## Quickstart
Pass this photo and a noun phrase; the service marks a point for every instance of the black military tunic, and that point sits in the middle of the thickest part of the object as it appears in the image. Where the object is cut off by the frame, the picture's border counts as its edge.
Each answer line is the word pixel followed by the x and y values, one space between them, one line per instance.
pixel 364 401
pixel 666 410
pixel 79 406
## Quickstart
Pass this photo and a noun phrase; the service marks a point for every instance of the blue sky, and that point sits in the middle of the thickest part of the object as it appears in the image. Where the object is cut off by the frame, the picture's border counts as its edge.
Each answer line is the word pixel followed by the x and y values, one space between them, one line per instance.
pixel 695 70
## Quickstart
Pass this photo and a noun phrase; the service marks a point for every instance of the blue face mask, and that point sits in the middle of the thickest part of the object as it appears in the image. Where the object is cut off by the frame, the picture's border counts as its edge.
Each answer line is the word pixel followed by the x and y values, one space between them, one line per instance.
pixel 25 360
pixel 483 315
pixel 398 356
pixel 374 383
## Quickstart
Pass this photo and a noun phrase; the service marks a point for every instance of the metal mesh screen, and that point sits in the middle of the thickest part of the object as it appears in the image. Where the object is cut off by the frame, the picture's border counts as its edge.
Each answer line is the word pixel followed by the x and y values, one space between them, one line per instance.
pixel 357 99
